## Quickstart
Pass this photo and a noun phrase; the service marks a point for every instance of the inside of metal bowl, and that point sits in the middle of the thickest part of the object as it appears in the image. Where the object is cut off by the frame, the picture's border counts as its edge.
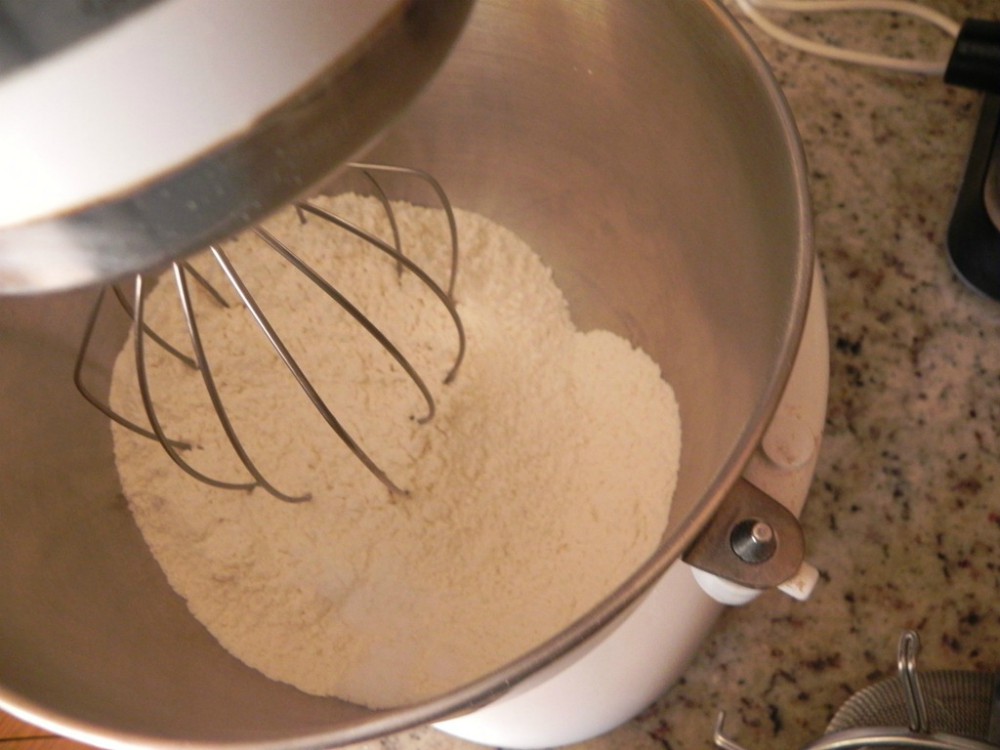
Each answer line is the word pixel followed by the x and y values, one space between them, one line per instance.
pixel 641 149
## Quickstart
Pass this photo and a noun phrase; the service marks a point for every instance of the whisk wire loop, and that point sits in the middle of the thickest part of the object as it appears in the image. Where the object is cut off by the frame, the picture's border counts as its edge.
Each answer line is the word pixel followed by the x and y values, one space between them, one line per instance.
pixel 293 366
pixel 183 271
pixel 201 357
pixel 390 215
pixel 81 358
pixel 214 293
pixel 331 291
pixel 442 196
pixel 146 393
pixel 420 273
pixel 129 309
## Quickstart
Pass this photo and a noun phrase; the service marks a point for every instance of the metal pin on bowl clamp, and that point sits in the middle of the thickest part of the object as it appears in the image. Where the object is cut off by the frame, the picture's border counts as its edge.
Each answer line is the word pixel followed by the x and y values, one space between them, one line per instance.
pixel 753 543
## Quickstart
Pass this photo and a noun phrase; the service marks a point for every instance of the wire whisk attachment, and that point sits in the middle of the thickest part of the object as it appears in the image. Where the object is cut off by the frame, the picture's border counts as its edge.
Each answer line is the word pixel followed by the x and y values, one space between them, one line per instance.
pixel 185 276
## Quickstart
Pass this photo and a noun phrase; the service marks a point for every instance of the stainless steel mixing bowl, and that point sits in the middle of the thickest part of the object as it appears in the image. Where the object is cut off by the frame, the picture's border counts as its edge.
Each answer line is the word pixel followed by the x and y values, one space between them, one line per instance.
pixel 645 151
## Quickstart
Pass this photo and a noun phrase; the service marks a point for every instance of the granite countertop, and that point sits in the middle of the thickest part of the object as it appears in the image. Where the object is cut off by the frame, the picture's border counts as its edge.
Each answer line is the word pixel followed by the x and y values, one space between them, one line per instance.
pixel 903 520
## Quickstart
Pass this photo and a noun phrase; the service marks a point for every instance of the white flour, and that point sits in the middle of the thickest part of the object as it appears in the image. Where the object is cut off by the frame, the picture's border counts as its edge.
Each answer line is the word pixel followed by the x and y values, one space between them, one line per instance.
pixel 543 481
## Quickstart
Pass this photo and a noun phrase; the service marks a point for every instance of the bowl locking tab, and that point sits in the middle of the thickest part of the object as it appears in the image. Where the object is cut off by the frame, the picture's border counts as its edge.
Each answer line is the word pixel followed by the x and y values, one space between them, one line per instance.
pixel 753 540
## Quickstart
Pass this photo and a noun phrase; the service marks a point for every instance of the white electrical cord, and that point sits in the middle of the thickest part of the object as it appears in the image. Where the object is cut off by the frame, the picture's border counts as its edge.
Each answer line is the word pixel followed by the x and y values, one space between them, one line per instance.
pixel 752 9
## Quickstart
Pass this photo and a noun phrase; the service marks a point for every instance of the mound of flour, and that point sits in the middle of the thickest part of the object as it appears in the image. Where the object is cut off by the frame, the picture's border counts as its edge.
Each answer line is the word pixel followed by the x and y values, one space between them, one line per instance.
pixel 542 482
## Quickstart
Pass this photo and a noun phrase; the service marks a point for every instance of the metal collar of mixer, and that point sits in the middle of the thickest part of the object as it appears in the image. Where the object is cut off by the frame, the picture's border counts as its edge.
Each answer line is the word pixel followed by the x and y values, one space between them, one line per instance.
pixel 194 131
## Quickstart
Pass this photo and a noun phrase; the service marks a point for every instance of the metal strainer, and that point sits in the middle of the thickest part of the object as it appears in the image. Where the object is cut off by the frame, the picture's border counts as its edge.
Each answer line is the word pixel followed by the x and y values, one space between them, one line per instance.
pixel 939 710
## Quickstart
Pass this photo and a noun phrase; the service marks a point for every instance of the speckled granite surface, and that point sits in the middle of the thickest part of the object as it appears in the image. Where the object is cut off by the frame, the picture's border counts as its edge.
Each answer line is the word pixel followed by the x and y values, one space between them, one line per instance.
pixel 904 516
